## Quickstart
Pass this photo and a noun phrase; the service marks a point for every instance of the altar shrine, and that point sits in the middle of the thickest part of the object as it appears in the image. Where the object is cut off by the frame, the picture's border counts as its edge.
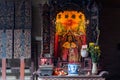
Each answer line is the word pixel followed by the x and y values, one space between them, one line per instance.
pixel 70 40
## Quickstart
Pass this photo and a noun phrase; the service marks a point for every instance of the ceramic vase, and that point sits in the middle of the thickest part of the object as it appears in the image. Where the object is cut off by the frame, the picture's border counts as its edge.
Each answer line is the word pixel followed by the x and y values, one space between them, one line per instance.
pixel 94 68
pixel 84 52
pixel 73 69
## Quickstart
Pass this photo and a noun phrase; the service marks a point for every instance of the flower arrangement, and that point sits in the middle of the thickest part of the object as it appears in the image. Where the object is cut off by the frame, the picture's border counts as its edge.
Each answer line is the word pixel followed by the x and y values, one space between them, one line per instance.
pixel 94 51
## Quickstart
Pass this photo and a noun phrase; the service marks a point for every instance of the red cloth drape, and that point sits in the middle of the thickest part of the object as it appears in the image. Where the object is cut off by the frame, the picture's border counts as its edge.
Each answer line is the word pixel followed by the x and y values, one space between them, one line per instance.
pixel 56 46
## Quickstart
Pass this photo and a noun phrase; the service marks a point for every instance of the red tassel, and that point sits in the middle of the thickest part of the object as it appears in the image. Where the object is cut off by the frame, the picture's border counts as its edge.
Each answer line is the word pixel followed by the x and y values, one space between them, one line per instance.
pixel 83 37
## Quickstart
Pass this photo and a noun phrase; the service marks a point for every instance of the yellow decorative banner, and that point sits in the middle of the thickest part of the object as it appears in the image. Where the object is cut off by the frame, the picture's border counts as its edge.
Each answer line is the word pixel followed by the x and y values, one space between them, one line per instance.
pixel 72 21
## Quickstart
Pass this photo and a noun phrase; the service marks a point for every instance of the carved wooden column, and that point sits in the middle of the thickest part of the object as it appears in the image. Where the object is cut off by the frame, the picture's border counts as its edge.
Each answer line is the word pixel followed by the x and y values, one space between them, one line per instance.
pixel 22 33
pixel 6 24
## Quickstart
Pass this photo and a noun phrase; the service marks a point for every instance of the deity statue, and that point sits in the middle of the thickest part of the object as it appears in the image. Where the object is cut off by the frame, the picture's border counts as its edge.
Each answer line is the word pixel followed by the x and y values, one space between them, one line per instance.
pixel 70 50
pixel 70 35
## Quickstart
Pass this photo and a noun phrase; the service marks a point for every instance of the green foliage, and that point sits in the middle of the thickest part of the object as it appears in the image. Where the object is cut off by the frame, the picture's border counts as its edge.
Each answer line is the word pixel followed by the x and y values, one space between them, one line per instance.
pixel 94 51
